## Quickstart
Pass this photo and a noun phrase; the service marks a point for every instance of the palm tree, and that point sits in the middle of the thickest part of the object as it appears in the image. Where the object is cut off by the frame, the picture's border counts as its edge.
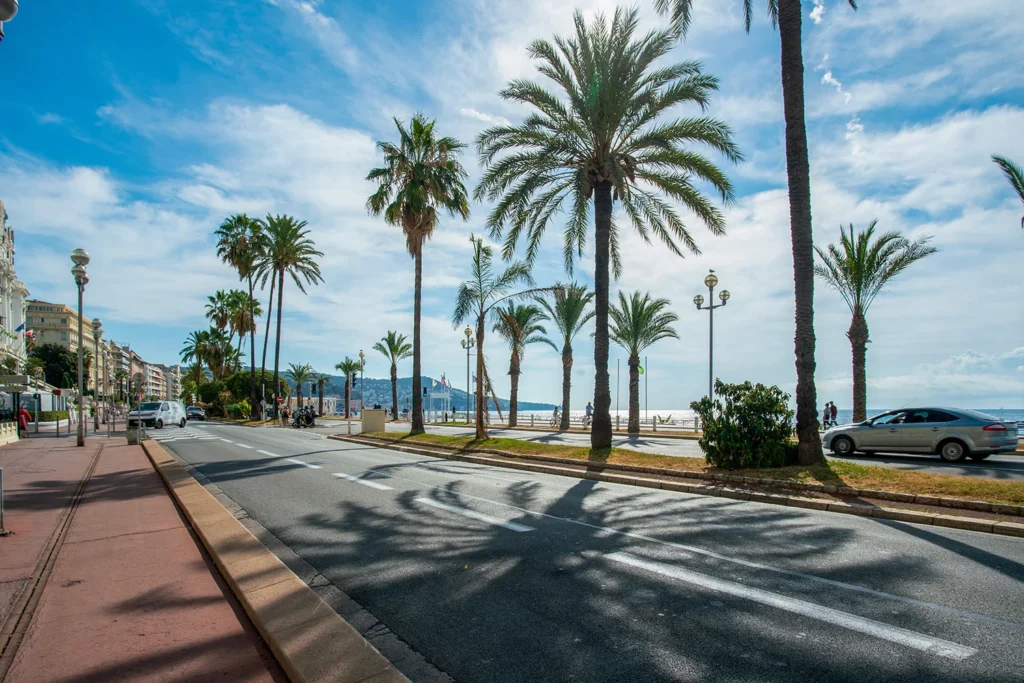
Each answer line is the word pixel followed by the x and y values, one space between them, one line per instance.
pixel 299 375
pixel 321 380
pixel 421 177
pixel 569 314
pixel 218 310
pixel 786 15
pixel 120 377
pixel 241 309
pixel 519 326
pixel 1015 175
pixel 859 269
pixel 347 368
pixel 395 348
pixel 287 251
pixel 637 323
pixel 477 297
pixel 239 244
pixel 605 139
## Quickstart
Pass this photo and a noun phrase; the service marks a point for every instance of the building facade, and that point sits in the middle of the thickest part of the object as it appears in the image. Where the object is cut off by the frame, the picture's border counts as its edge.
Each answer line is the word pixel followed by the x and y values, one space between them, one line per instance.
pixel 13 300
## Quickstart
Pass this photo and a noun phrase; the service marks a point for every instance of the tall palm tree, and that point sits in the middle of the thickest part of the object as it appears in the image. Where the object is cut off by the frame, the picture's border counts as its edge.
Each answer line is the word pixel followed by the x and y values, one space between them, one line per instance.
pixel 478 296
pixel 395 349
pixel 569 314
pixel 519 326
pixel 287 251
pixel 218 310
pixel 239 244
pixel 786 15
pixel 321 380
pixel 347 367
pixel 604 136
pixel 421 177
pixel 195 346
pixel 1015 175
pixel 299 375
pixel 859 268
pixel 637 323
pixel 120 377
pixel 241 309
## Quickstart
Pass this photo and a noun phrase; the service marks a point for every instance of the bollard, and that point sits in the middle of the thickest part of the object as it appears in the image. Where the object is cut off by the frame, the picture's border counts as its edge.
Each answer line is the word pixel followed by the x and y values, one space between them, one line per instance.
pixel 3 532
pixel 617 425
pixel 533 420
pixel 654 423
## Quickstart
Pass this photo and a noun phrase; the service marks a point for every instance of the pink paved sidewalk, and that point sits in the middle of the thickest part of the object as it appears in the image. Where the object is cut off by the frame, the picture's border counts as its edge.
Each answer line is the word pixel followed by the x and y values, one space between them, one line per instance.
pixel 131 597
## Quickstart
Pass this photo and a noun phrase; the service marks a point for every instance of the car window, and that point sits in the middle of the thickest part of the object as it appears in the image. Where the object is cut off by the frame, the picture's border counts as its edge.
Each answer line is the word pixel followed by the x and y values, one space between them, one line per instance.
pixel 149 406
pixel 984 417
pixel 888 418
pixel 941 416
pixel 164 407
pixel 916 417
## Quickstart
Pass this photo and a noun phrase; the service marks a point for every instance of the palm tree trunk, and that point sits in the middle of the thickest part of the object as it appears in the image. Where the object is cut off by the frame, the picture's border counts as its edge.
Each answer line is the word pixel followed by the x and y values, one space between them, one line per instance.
pixel 513 397
pixel 601 429
pixel 481 403
pixel 394 391
pixel 266 338
pixel 798 173
pixel 858 335
pixel 320 398
pixel 417 398
pixel 253 413
pixel 566 385
pixel 277 343
pixel 633 426
pixel 348 395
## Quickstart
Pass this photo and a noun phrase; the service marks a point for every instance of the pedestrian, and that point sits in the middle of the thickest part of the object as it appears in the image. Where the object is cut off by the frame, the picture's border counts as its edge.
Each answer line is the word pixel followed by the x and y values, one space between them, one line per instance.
pixel 284 417
pixel 826 415
pixel 23 420
pixel 835 412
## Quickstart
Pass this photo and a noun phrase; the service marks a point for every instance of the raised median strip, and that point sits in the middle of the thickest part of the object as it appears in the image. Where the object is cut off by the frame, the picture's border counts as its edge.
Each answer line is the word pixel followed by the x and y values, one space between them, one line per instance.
pixel 727 486
pixel 311 642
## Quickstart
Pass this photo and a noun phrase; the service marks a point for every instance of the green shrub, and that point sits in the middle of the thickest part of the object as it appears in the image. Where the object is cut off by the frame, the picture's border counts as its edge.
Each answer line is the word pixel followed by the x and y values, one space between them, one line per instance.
pixel 51 415
pixel 748 425
pixel 242 409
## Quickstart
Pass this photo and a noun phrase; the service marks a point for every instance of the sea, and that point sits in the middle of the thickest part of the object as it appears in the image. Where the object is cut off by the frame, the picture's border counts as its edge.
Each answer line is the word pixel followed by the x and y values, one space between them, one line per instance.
pixel 685 415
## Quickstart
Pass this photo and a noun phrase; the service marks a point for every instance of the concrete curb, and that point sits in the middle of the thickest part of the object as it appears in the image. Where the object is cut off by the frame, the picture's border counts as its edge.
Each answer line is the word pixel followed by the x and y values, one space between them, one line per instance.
pixel 308 638
pixel 595 472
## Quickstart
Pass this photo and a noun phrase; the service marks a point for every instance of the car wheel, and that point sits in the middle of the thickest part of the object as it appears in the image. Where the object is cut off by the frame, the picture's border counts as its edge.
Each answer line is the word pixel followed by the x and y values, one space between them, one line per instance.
pixel 978 457
pixel 181 424
pixel 953 451
pixel 843 445
pixel 159 424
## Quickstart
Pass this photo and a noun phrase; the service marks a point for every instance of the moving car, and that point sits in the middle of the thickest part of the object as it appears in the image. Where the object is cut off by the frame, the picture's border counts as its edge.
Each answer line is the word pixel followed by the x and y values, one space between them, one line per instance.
pixel 158 413
pixel 195 413
pixel 951 433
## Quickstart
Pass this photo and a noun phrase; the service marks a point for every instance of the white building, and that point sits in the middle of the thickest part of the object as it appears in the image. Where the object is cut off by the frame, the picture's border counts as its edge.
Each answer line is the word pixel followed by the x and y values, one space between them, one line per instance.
pixel 13 295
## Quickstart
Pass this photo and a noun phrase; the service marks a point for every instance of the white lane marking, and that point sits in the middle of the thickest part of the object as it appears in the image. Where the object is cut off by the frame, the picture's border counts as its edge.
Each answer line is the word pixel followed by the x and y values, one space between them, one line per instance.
pixel 725 558
pixel 365 482
pixel 242 445
pixel 472 514
pixel 895 634
pixel 272 455
pixel 227 440
pixel 304 464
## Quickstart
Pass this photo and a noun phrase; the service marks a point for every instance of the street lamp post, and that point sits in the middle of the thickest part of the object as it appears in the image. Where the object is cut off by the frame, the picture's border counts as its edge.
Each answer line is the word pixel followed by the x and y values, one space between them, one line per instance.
pixel 468 343
pixel 96 334
pixel 362 396
pixel 80 257
pixel 710 282
pixel 8 8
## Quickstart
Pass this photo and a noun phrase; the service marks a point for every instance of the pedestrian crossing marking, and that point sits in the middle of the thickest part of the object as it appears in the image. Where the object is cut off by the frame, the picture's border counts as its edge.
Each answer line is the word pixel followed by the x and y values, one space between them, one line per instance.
pixel 178 434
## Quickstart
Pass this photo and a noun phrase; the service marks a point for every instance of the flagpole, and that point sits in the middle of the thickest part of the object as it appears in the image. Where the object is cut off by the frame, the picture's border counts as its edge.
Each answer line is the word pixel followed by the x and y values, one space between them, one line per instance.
pixel 647 371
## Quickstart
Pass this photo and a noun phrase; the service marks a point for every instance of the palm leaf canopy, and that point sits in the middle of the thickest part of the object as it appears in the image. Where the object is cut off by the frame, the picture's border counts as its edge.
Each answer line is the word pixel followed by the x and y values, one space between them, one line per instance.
pixel 421 176
pixel 602 126
pixel 300 374
pixel 639 321
pixel 1015 175
pixel 486 289
pixel 394 347
pixel 520 325
pixel 287 248
pixel 681 12
pixel 348 366
pixel 240 243
pixel 859 267
pixel 569 311
pixel 218 308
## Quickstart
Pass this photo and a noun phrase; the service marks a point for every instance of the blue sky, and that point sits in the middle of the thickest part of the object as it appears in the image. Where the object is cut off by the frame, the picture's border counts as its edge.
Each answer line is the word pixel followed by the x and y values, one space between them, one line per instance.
pixel 133 128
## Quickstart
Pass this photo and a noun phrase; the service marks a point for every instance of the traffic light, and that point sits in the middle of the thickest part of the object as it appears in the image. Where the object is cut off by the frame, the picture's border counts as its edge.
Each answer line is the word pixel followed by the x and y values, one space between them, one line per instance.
pixel 424 392
pixel 354 376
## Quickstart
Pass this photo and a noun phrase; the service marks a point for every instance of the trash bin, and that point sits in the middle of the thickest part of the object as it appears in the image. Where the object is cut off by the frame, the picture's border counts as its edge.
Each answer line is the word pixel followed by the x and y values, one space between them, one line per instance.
pixel 135 435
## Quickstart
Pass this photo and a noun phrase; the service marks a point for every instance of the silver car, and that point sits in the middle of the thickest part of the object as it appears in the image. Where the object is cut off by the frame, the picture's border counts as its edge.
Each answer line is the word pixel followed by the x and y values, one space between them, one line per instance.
pixel 951 433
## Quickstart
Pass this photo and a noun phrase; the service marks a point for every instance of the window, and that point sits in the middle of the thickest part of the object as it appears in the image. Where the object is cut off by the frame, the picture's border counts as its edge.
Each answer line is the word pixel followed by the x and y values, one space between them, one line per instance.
pixel 42 320
pixel 888 418
pixel 940 416
pixel 63 336
pixel 28 320
pixel 63 321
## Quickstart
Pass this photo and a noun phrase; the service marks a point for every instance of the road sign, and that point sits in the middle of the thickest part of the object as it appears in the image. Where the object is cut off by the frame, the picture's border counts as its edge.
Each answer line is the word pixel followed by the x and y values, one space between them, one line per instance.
pixel 280 399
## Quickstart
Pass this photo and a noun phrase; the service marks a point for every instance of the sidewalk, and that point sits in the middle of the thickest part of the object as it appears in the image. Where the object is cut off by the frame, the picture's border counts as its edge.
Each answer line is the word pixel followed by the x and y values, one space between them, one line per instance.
pixel 124 592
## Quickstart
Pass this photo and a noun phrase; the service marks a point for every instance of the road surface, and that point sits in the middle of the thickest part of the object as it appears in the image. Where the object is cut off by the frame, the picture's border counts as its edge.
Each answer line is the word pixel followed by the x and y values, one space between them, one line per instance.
pixel 501 576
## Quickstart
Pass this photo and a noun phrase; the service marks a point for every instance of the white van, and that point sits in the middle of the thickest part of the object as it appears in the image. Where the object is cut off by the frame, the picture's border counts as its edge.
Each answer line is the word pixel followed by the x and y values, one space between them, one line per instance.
pixel 158 413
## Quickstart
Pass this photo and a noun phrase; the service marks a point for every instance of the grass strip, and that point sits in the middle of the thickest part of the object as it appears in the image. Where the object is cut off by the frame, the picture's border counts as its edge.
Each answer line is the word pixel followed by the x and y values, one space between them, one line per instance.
pixel 831 473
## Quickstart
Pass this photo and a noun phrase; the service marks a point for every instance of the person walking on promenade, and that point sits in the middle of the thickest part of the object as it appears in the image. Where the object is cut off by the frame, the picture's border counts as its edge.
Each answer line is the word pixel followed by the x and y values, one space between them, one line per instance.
pixel 835 412
pixel 23 420
pixel 826 415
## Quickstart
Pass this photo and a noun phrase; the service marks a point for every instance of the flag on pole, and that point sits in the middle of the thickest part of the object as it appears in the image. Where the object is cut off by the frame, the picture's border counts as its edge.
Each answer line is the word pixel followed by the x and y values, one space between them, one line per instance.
pixel 20 327
pixel 640 368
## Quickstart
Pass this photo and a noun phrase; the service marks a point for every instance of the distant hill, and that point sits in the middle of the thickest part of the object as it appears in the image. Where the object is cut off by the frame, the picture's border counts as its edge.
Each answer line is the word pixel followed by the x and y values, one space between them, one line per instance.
pixel 379 391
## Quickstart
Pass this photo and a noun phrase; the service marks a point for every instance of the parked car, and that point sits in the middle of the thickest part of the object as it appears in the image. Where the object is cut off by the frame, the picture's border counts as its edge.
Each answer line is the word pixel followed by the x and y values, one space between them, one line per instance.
pixel 195 413
pixel 950 433
pixel 158 413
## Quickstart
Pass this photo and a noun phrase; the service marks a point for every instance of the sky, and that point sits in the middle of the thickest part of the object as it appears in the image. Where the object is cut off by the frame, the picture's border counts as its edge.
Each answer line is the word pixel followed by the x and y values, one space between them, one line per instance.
pixel 132 129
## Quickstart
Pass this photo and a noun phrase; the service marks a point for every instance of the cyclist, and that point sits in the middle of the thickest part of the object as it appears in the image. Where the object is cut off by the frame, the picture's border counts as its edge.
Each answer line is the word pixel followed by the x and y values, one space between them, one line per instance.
pixel 556 416
pixel 588 416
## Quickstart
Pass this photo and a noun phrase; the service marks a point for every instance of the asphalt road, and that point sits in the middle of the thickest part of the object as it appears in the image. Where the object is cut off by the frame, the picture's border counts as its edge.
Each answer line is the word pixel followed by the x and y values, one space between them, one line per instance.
pixel 1007 467
pixel 501 576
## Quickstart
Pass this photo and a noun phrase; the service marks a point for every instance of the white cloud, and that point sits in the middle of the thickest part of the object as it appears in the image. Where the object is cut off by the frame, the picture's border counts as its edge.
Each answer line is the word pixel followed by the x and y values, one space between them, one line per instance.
pixel 818 12
pixel 486 118
pixel 50 117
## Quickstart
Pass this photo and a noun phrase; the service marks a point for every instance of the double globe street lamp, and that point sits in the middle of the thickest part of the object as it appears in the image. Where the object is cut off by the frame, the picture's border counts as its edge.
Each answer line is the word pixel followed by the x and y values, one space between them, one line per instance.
pixel 8 8
pixel 96 334
pixel 80 257
pixel 711 281
pixel 468 343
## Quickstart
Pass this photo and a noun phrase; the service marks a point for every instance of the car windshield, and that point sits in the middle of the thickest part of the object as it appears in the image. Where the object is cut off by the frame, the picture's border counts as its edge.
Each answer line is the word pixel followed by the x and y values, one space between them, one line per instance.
pixel 885 418
pixel 149 406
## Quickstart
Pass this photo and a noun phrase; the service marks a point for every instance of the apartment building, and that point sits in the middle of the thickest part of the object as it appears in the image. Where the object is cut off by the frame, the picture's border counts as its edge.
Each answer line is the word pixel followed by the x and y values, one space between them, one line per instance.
pixel 57 324
pixel 172 381
pixel 13 297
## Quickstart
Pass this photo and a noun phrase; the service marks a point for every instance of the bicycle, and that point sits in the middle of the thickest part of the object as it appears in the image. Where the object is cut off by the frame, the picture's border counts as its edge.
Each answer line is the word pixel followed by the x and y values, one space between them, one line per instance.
pixel 555 420
pixel 587 420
